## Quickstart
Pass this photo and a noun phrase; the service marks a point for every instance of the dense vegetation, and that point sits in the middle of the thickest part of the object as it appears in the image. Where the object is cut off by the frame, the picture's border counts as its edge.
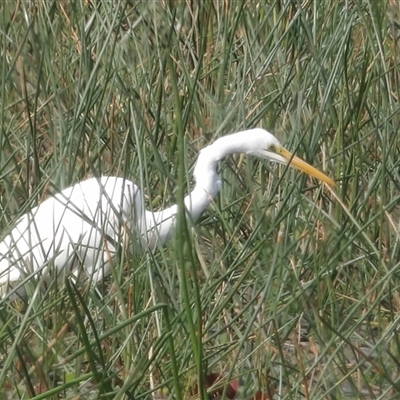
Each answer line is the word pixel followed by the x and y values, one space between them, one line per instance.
pixel 284 286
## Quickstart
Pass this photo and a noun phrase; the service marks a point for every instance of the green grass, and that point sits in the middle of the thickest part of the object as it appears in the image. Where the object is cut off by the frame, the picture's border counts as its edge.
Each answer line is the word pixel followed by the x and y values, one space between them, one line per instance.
pixel 282 283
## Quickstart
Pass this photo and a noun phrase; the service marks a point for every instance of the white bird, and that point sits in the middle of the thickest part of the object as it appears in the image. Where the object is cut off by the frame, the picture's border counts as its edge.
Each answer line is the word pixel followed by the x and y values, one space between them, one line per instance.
pixel 79 230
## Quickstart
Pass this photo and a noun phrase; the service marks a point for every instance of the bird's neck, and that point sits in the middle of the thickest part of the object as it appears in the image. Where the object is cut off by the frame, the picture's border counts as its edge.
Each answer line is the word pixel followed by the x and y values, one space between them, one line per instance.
pixel 161 224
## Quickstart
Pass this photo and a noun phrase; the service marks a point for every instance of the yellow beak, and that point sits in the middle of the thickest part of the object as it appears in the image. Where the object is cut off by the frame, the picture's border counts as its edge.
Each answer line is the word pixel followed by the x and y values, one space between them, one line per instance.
pixel 298 163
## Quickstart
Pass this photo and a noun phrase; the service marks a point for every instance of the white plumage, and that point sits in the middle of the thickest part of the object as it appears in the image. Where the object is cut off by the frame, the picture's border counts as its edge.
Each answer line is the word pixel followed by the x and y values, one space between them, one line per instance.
pixel 78 230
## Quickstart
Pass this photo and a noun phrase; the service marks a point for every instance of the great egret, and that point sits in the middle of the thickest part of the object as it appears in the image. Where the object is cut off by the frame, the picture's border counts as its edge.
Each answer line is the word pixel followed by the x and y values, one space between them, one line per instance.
pixel 79 229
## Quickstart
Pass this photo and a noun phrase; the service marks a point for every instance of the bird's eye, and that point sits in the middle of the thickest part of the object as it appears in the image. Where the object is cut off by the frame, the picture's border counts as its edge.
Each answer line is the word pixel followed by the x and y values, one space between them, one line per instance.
pixel 272 148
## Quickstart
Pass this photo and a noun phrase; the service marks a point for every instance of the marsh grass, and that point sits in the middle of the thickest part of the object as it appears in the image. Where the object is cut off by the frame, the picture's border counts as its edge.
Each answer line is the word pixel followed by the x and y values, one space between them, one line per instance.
pixel 283 284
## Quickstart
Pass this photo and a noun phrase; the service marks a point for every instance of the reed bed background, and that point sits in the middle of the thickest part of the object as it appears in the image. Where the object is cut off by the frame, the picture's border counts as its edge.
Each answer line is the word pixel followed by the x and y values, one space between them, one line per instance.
pixel 284 287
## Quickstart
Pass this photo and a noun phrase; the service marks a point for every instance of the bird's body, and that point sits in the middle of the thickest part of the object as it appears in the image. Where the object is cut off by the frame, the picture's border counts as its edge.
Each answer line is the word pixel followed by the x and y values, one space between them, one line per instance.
pixel 70 229
pixel 79 230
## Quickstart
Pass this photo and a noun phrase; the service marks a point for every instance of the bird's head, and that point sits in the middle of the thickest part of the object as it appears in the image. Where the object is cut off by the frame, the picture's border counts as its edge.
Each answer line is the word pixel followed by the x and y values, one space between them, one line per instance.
pixel 262 144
